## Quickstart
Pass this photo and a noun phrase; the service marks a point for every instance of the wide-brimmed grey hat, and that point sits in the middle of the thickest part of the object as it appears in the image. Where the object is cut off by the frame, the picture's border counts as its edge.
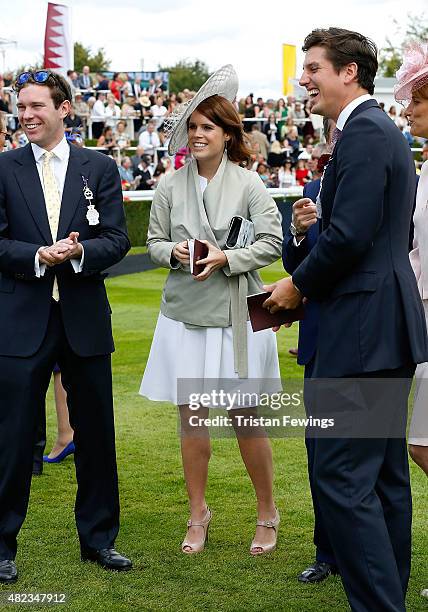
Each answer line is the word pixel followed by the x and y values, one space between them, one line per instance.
pixel 223 82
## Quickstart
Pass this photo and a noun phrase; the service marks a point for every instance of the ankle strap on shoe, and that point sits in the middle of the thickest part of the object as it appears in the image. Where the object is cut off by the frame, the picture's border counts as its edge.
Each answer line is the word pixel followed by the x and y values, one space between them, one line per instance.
pixel 202 523
pixel 273 524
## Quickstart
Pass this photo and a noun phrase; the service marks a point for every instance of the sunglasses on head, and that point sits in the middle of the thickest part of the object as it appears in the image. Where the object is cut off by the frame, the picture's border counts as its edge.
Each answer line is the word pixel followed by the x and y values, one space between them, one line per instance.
pixel 74 136
pixel 40 76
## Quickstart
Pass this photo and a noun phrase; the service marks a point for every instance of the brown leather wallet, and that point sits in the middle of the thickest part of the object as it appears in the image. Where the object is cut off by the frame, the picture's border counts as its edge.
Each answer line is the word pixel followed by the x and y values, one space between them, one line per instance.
pixel 200 252
pixel 262 319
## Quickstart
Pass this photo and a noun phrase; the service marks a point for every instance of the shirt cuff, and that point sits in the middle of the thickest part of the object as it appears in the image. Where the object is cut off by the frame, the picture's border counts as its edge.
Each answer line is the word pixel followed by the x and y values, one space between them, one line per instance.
pixel 39 268
pixel 78 265
pixel 296 244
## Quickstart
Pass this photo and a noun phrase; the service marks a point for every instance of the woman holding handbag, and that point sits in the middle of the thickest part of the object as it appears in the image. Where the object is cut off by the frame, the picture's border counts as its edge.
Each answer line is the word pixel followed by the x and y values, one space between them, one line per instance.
pixel 202 331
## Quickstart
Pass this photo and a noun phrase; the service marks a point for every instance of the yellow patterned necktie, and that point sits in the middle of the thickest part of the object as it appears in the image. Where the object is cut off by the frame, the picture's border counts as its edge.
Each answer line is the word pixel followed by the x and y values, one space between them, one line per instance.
pixel 53 205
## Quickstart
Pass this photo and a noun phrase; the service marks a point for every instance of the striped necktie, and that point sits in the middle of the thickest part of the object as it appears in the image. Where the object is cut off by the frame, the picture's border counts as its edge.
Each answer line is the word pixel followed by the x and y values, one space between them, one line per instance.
pixel 53 205
pixel 336 136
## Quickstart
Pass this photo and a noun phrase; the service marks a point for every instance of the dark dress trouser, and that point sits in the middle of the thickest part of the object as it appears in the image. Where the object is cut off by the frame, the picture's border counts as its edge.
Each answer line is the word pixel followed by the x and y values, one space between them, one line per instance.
pixel 40 444
pixel 324 551
pixel 87 381
pixel 363 488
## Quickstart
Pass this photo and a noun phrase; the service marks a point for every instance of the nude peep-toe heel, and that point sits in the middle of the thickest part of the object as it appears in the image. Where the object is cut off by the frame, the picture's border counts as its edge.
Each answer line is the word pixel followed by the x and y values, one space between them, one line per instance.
pixel 259 549
pixel 205 524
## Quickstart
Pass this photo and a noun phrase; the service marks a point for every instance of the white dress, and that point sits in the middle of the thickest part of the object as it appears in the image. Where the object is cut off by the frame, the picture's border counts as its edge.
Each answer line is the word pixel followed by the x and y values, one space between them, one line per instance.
pixel 418 432
pixel 201 359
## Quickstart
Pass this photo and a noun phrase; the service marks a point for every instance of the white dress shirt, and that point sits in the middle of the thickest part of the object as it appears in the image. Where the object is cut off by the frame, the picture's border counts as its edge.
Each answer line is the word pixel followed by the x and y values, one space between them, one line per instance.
pixel 349 108
pixel 98 111
pixel 59 164
pixel 149 141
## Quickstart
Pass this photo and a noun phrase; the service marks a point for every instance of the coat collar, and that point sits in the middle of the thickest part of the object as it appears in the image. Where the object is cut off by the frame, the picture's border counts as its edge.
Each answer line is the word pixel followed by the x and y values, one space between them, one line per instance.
pixel 216 180
pixel 372 103
pixel 29 183
pixel 361 108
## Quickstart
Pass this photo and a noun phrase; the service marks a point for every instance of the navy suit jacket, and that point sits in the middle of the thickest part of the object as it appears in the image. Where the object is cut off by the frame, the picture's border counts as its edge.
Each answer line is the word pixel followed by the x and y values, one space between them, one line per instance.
pixel 292 257
pixel 25 300
pixel 371 314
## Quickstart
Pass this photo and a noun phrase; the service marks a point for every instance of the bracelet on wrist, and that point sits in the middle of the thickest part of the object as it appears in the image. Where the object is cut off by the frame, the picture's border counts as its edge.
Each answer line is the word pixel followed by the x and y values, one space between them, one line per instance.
pixel 295 232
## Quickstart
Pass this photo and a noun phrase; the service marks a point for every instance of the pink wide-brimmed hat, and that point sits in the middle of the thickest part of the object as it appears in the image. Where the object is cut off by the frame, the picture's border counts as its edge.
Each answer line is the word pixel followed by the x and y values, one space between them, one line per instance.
pixel 413 73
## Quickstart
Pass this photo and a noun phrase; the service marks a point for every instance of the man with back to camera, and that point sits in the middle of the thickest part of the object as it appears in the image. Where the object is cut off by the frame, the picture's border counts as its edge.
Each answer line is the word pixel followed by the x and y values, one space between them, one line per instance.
pixel 371 323
pixel 61 224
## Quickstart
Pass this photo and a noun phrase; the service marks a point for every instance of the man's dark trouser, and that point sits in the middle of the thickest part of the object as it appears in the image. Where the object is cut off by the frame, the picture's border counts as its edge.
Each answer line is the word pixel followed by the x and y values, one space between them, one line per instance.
pixel 87 381
pixel 364 493
pixel 324 551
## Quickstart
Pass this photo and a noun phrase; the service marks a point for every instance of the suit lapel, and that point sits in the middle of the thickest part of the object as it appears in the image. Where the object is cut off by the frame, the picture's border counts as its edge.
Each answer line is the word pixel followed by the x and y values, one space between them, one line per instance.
pixel 28 181
pixel 73 188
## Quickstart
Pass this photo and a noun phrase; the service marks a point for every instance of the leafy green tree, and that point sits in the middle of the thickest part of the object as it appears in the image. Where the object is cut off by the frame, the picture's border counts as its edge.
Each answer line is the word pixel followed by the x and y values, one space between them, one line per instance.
pixel 186 74
pixel 390 59
pixel 83 56
pixel 391 55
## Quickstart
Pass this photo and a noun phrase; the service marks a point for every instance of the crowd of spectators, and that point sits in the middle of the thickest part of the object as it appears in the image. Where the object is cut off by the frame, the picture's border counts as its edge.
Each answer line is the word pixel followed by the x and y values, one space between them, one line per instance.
pixel 124 118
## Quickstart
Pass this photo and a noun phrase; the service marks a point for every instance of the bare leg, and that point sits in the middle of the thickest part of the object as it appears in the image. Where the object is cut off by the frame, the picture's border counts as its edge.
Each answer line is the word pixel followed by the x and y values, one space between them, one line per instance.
pixel 195 452
pixel 256 453
pixel 65 432
pixel 419 454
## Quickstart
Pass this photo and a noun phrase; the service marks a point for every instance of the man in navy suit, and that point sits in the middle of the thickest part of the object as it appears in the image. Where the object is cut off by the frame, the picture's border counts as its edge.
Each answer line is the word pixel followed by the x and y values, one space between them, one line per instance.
pixel 371 324
pixel 298 242
pixel 61 224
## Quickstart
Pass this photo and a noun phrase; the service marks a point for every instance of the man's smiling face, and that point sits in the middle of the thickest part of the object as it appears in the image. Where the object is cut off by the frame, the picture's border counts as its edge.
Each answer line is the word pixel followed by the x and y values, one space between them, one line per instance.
pixel 326 88
pixel 40 120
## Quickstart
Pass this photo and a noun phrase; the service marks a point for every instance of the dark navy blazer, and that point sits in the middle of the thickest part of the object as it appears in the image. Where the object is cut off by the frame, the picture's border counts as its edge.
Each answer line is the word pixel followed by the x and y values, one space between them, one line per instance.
pixel 371 314
pixel 292 257
pixel 25 300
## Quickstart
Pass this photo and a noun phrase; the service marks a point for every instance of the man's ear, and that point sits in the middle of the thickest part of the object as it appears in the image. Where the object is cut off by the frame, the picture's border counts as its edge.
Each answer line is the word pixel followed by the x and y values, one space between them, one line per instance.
pixel 65 108
pixel 350 72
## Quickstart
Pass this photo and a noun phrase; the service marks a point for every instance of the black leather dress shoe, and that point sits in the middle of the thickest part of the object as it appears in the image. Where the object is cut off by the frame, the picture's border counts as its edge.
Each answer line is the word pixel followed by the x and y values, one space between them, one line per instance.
pixel 108 558
pixel 8 572
pixel 317 572
pixel 37 469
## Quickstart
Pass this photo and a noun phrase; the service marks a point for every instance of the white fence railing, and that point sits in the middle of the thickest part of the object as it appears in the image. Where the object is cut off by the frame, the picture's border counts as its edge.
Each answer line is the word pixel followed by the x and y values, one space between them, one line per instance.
pixel 147 195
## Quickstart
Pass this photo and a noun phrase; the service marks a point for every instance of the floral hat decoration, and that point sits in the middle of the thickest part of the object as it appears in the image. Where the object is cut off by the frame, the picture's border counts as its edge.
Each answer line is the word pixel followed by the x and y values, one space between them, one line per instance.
pixel 223 82
pixel 413 73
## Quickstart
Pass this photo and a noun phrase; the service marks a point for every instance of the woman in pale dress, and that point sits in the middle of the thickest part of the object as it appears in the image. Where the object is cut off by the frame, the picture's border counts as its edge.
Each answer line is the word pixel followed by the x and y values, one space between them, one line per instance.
pixel 202 331
pixel 412 90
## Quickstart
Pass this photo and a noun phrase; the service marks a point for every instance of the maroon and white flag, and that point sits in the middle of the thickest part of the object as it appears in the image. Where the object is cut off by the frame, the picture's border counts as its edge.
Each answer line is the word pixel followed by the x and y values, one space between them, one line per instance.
pixel 58 43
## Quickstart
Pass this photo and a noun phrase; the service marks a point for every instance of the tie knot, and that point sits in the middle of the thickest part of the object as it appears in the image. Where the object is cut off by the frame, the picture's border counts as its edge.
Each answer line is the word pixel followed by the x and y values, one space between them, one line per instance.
pixel 47 156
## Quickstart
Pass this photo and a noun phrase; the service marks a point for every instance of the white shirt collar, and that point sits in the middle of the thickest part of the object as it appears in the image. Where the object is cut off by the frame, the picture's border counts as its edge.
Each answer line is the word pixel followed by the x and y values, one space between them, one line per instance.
pixel 349 108
pixel 62 150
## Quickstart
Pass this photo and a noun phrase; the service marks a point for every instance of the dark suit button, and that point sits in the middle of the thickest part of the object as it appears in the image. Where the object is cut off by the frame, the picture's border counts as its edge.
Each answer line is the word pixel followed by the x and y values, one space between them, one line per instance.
pixel 20 276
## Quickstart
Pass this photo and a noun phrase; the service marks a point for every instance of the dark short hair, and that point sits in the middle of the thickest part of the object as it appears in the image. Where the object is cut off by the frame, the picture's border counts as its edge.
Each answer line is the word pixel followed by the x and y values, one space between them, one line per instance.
pixel 343 47
pixel 59 88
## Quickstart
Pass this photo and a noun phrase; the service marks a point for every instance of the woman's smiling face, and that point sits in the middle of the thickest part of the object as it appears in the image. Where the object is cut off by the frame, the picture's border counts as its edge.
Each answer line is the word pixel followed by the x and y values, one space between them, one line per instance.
pixel 417 112
pixel 206 139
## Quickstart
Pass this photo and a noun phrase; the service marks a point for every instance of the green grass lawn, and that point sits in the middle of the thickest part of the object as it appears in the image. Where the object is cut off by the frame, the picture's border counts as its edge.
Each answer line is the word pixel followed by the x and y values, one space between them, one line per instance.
pixel 154 506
